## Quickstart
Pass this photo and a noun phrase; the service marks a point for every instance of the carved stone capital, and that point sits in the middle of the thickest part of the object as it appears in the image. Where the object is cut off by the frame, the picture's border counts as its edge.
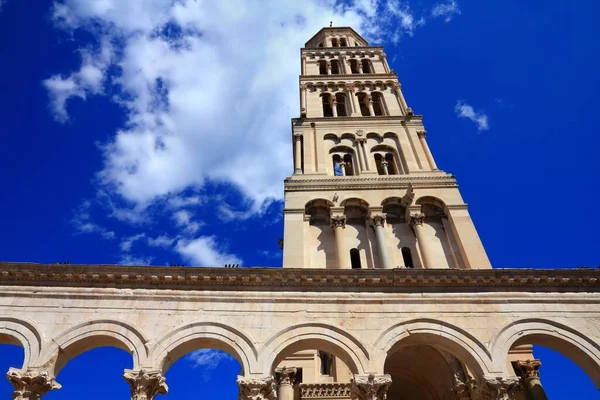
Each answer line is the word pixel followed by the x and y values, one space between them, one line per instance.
pixel 286 376
pixel 421 134
pixel 145 385
pixel 349 87
pixel 256 388
pixel 304 86
pixel 370 387
pixel 417 219
pixel 378 220
pixel 338 221
pixel 297 136
pixel 498 388
pixel 529 369
pixel 384 163
pixel 31 384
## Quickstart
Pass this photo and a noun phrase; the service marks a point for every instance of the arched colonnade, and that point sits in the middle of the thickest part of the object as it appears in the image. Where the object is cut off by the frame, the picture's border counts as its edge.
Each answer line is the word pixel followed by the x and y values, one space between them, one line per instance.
pixel 485 363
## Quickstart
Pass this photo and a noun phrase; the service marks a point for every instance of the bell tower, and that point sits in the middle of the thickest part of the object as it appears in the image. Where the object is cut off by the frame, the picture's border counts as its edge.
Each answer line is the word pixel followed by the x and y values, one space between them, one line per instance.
pixel 366 191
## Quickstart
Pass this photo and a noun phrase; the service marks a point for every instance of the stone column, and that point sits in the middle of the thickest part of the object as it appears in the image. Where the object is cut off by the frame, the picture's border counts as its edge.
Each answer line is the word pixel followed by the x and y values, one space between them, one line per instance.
pixel 366 155
pixel 256 388
pixel 371 110
pixel 303 89
pixel 384 166
pixel 400 97
pixel 529 371
pixel 31 384
pixel 369 387
pixel 383 59
pixel 350 91
pixel 450 241
pixel 422 135
pixel 378 221
pixel 303 66
pixel 145 385
pixel 343 167
pixel 416 221
pixel 328 67
pixel 334 107
pixel 297 154
pixel 286 378
pixel 498 388
pixel 338 224
pixel 359 153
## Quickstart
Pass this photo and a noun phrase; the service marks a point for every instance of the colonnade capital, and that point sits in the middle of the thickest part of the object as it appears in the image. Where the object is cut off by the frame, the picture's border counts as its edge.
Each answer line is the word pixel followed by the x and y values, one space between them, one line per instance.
pixel 145 384
pixel 529 369
pixel 338 221
pixel 498 388
pixel 370 387
pixel 31 384
pixel 286 375
pixel 417 219
pixel 256 388
pixel 422 134
pixel 378 219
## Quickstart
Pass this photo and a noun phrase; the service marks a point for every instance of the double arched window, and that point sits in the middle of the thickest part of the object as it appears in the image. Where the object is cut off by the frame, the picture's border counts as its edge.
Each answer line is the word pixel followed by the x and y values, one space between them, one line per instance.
pixel 334 106
pixel 342 158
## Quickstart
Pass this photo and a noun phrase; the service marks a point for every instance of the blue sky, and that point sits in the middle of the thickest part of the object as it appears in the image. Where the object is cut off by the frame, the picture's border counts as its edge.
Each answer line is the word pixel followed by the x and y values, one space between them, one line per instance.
pixel 152 132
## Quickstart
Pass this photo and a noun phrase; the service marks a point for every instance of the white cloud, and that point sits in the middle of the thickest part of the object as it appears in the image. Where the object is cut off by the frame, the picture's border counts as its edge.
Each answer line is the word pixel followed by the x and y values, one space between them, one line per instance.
pixel 161 241
pixel 128 259
pixel 129 241
pixel 208 89
pixel 464 110
pixel 83 223
pixel 446 10
pixel 205 251
pixel 208 358
pixel 183 219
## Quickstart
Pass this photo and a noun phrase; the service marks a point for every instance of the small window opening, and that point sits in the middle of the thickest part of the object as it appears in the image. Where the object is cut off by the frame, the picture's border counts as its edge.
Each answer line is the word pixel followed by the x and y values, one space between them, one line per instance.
pixel 321 44
pixel 340 101
pixel 377 103
pixel 407 257
pixel 354 66
pixel 337 167
pixel 366 67
pixel 362 101
pixel 343 42
pixel 355 259
pixel 378 163
pixel 335 67
pixel 334 43
pixel 323 67
pixel 391 166
pixel 326 362
pixel 348 165
pixel 327 110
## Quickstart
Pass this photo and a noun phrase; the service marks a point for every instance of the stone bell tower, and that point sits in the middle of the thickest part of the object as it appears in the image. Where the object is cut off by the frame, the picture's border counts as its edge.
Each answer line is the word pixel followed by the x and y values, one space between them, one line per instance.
pixel 366 191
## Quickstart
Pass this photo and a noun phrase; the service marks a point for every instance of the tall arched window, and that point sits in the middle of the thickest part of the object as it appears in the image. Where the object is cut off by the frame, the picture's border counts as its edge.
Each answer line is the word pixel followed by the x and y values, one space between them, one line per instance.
pixel 363 101
pixel 334 42
pixel 337 167
pixel 407 257
pixel 327 110
pixel 335 67
pixel 378 164
pixel 354 66
pixel 366 66
pixel 378 107
pixel 355 259
pixel 323 67
pixel 343 42
pixel 340 99
pixel 348 165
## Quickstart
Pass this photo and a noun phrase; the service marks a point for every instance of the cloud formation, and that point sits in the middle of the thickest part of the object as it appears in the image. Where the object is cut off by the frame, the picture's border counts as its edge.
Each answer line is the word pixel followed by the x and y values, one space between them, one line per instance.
pixel 446 10
pixel 464 110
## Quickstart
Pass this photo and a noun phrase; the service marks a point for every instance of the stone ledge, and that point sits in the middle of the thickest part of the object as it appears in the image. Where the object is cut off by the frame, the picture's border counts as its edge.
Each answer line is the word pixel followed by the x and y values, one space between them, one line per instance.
pixel 301 279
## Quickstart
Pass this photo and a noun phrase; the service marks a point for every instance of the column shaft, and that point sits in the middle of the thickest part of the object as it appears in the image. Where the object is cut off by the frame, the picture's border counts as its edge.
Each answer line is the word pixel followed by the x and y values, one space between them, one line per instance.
pixel 339 223
pixel 303 99
pixel 334 108
pixel 366 155
pixel 430 160
pixel 451 242
pixel 297 154
pixel 370 105
pixel 417 224
pixel 378 221
pixel 360 156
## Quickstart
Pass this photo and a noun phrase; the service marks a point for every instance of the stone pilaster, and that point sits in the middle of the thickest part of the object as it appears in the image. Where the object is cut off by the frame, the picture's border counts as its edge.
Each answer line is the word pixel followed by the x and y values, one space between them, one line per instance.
pixel 256 388
pixel 145 385
pixel 370 387
pixel 416 221
pixel 31 384
pixel 498 388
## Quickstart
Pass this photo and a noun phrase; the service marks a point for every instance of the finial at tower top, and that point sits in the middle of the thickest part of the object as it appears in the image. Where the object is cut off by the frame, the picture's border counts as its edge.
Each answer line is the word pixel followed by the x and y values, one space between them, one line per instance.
pixel 330 24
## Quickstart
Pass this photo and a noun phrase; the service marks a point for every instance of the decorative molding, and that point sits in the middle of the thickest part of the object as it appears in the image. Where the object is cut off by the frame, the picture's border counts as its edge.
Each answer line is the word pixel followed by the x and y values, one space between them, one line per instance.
pixel 498 388
pixel 304 279
pixel 324 390
pixel 31 384
pixel 392 78
pixel 370 387
pixel 145 385
pixel 380 182
pixel 256 388
pixel 404 118
pixel 529 369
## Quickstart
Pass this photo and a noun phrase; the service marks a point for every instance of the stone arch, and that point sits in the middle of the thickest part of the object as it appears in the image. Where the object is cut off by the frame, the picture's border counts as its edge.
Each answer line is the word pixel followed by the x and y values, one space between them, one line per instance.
pixel 439 334
pixel 22 333
pixel 92 334
pixel 329 338
pixel 432 200
pixel 202 335
pixel 584 351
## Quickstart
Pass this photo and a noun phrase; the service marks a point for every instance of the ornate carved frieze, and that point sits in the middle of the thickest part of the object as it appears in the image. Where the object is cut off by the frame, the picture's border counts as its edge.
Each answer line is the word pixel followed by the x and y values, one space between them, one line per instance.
pixel 145 385
pixel 370 387
pixel 31 384
pixel 256 388
pixel 190 278
pixel 324 390
pixel 498 388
